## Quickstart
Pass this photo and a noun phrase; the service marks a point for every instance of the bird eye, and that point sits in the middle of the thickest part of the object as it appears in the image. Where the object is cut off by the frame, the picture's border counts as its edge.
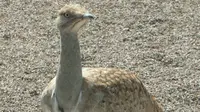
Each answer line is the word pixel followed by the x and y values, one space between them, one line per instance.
pixel 66 15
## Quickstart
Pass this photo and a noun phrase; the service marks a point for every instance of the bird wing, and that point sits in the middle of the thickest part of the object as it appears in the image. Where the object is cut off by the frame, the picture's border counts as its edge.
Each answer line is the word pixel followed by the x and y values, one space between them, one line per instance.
pixel 116 90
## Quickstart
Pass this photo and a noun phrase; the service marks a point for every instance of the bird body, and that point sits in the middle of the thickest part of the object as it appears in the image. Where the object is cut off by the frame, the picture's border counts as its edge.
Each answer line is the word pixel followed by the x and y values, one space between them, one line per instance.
pixel 116 90
pixel 76 89
pixel 110 90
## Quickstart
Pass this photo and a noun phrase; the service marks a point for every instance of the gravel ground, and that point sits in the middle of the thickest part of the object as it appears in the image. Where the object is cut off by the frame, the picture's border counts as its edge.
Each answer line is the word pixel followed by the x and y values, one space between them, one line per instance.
pixel 157 39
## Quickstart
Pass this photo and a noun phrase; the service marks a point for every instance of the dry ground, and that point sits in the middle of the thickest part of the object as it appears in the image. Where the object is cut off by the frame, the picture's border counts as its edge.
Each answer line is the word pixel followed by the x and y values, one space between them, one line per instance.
pixel 158 39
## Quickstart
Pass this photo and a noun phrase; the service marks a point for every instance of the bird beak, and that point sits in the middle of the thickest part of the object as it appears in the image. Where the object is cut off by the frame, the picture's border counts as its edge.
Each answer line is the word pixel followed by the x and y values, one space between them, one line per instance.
pixel 88 15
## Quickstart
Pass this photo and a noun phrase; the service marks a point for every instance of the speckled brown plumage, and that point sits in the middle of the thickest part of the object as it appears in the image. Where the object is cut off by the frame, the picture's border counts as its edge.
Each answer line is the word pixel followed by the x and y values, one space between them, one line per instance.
pixel 115 90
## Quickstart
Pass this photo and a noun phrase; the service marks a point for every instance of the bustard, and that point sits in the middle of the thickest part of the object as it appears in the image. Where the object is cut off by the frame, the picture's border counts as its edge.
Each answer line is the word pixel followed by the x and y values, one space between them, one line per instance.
pixel 98 89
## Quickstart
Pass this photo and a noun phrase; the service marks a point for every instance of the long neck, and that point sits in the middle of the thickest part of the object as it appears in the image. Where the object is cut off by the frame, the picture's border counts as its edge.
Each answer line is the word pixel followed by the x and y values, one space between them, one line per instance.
pixel 69 77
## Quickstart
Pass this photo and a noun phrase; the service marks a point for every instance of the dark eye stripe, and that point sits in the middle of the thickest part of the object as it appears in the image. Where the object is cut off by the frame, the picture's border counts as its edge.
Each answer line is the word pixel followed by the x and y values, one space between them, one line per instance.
pixel 75 24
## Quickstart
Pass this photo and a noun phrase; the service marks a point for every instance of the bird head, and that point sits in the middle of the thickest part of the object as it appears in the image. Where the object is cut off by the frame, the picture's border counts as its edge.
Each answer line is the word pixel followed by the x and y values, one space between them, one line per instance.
pixel 72 17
